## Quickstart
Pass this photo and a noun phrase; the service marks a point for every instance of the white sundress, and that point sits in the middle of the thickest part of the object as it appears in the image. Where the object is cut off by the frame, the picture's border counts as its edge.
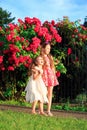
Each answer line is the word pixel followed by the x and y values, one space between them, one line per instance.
pixel 36 89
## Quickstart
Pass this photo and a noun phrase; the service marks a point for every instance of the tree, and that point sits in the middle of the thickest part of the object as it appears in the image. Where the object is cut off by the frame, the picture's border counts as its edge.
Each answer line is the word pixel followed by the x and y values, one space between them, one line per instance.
pixel 85 22
pixel 5 17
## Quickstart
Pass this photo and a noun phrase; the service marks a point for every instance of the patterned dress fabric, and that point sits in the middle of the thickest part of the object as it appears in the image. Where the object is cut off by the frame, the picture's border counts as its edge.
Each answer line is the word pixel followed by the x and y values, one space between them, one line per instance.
pixel 49 77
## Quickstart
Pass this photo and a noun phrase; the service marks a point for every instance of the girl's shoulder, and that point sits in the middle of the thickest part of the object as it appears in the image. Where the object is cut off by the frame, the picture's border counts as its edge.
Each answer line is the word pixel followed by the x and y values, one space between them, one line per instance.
pixel 36 67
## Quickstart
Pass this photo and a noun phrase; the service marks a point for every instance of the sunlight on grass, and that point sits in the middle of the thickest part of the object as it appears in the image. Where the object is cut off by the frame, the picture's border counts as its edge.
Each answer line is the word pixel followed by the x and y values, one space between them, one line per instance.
pixel 22 121
pixel 14 102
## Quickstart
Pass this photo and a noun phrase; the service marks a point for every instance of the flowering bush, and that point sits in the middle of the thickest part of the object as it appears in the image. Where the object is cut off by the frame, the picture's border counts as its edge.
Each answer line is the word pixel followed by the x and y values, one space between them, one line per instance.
pixel 20 42
pixel 74 38
pixel 73 53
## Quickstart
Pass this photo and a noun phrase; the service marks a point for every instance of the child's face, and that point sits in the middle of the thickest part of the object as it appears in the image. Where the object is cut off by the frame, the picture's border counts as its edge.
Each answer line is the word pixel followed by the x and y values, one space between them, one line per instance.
pixel 47 49
pixel 40 61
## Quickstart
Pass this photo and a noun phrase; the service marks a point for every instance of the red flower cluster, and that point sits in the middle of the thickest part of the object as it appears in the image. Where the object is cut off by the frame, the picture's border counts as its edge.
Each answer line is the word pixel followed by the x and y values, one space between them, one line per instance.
pixel 22 40
pixel 53 32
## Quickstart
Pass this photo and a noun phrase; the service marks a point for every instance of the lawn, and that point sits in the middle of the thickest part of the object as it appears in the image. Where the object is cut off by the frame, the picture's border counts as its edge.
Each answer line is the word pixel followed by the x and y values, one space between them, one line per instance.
pixel 10 120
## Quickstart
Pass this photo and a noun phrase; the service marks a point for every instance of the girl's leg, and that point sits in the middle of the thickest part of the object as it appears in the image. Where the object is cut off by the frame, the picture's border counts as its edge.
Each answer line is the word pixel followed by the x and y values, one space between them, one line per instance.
pixel 50 91
pixel 41 109
pixel 34 107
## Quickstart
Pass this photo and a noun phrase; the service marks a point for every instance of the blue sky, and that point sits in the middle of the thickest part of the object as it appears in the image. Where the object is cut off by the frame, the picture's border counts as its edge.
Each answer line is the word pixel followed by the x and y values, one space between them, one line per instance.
pixel 46 9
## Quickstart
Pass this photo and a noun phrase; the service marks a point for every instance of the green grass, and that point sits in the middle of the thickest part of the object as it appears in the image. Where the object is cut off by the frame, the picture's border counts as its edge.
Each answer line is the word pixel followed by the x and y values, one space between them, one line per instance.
pixel 14 102
pixel 10 120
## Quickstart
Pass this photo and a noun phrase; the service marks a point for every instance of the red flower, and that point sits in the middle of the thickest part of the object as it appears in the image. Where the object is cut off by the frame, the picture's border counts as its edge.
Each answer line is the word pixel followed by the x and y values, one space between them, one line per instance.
pixel 11 68
pixel 42 31
pixel 58 73
pixel 17 38
pixel 76 30
pixel 11 26
pixel 20 21
pixel 1 59
pixel 13 48
pixel 2 67
pixel 21 59
pixel 48 37
pixel 28 62
pixel 53 30
pixel 84 28
pixel 28 20
pixel 6 51
pixel 37 28
pixel 53 22
pixel 36 41
pixel 58 38
pixel 0 28
pixel 69 51
pixel 9 37
pixel 34 45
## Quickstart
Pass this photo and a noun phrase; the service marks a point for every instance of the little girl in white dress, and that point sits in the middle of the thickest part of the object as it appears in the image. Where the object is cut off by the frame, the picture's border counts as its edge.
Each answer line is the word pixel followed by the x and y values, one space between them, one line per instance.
pixel 36 90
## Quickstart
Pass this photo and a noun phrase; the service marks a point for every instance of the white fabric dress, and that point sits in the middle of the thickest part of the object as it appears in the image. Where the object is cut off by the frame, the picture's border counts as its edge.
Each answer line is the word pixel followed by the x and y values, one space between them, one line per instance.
pixel 36 89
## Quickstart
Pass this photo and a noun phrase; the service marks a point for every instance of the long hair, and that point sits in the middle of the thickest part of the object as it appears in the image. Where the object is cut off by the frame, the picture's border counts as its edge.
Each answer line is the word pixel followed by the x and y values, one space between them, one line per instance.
pixel 49 55
pixel 31 66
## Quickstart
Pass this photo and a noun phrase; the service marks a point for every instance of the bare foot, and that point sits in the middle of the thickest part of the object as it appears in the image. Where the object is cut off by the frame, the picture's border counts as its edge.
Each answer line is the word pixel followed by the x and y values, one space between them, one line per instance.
pixel 43 113
pixel 33 112
pixel 49 114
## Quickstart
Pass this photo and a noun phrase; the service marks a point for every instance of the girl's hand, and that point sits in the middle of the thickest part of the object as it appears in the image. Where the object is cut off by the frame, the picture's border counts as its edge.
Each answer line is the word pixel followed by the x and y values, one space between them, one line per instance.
pixel 35 73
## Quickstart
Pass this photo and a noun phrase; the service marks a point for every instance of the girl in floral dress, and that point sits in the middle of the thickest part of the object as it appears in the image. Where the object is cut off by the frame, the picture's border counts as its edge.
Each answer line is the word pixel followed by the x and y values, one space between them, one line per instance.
pixel 36 90
pixel 49 76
